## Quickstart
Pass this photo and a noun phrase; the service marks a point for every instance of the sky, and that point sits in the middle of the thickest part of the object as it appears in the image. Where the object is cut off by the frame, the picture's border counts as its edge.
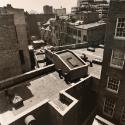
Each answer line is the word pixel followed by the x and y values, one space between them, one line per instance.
pixel 37 5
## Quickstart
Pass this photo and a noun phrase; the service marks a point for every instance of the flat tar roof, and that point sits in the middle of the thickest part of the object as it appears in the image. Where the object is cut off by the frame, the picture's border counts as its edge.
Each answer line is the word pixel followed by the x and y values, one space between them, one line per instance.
pixel 33 92
pixel 96 69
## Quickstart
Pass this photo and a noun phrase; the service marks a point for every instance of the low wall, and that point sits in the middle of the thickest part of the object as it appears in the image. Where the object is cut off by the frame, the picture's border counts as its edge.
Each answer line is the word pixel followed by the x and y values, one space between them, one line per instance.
pixel 4 84
pixel 72 46
pixel 69 115
pixel 40 112
pixel 87 98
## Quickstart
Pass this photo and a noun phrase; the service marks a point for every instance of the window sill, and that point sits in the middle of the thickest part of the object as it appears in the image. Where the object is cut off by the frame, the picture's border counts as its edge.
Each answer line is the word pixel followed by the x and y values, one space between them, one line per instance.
pixel 113 91
pixel 119 38
pixel 117 67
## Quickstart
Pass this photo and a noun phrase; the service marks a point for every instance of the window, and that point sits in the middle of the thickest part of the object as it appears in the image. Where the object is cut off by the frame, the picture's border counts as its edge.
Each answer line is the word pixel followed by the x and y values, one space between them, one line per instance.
pixel 21 54
pixel 79 33
pixel 109 106
pixel 75 32
pixel 56 28
pixel 123 115
pixel 113 84
pixel 120 27
pixel 117 59
pixel 84 38
pixel 79 41
pixel 68 29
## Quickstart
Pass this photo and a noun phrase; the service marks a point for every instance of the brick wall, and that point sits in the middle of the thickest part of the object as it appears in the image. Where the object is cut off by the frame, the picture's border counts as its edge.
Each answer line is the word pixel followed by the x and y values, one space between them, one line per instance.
pixel 116 10
pixel 9 57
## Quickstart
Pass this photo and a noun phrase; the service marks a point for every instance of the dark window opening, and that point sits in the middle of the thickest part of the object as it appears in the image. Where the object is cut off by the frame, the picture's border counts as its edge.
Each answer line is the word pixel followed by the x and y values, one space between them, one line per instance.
pixel 84 38
pixel 21 54
pixel 75 32
pixel 79 33
pixel 79 41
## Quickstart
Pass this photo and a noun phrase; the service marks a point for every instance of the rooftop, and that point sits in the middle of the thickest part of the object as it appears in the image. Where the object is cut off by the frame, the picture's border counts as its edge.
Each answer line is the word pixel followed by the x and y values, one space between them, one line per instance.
pixel 90 25
pixel 33 92
pixel 96 69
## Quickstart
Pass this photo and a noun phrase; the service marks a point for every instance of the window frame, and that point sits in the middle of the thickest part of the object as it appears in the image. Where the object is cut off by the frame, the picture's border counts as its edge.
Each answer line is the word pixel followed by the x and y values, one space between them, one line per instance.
pixel 116 66
pixel 117 22
pixel 112 90
pixel 79 33
pixel 105 113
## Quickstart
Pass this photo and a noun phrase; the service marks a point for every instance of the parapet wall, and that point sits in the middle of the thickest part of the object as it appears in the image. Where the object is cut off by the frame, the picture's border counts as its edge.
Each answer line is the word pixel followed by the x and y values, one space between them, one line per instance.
pixel 72 46
pixel 4 84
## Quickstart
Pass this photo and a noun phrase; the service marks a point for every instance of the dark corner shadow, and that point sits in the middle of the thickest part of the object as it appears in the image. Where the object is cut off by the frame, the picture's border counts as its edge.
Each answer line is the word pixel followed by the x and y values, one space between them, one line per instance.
pixel 4 103
pixel 23 91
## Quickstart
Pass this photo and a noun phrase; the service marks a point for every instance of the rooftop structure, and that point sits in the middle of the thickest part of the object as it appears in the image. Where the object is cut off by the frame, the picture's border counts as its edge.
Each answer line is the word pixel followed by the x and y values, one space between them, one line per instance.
pixel 70 65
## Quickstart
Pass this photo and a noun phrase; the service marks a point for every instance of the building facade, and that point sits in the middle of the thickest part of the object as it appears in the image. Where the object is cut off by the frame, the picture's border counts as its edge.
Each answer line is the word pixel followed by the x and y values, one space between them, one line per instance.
pixel 48 9
pixel 86 16
pixel 83 2
pixel 33 19
pixel 20 37
pixel 60 12
pixel 100 6
pixel 112 92
pixel 66 33
pixel 9 49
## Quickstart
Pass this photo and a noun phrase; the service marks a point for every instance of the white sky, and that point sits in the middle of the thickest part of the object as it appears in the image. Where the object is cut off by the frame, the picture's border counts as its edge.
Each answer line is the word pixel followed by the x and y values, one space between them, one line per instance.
pixel 37 5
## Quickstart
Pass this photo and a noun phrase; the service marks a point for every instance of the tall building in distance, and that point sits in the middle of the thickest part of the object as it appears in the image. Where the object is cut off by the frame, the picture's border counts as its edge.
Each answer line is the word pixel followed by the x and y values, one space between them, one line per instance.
pixel 60 12
pixel 48 9
pixel 112 94
pixel 83 2
pixel 15 57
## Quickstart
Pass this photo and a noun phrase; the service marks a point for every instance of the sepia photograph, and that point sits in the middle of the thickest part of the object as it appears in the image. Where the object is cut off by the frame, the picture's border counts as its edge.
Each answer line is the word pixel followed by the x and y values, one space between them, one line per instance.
pixel 62 62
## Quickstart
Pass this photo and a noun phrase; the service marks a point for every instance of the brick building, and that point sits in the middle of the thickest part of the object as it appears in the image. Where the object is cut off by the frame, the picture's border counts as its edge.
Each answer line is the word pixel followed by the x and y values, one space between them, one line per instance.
pixel 83 2
pixel 18 34
pixel 86 16
pixel 48 9
pixel 8 48
pixel 100 6
pixel 66 32
pixel 112 92
pixel 32 22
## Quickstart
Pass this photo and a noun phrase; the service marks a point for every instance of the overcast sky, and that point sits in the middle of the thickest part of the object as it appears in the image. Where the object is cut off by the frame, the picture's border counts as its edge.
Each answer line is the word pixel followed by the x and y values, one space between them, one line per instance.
pixel 37 5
